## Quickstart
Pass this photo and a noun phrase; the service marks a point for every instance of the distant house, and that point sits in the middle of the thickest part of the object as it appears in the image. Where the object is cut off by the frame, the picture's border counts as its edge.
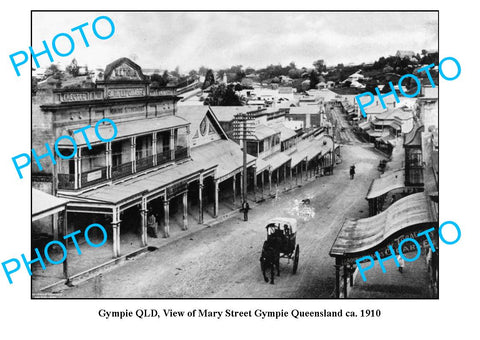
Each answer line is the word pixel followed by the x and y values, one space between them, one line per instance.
pixel 354 77
pixel 384 127
pixel 404 54
pixel 357 84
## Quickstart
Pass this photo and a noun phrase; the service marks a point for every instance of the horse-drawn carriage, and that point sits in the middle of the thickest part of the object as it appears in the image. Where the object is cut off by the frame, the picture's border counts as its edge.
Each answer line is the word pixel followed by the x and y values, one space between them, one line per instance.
pixel 280 243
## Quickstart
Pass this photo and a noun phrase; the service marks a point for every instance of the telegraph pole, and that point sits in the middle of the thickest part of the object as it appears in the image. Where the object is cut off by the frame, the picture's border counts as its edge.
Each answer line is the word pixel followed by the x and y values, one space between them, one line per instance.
pixel 333 147
pixel 244 194
pixel 242 130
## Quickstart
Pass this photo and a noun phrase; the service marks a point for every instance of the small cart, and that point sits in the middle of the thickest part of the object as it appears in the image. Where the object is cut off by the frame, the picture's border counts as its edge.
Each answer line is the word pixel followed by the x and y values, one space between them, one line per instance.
pixel 285 230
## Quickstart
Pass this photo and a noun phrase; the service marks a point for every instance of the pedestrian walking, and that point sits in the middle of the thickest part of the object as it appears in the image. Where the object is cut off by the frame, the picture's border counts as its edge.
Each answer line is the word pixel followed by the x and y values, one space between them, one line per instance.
pixel 401 263
pixel 246 208
pixel 352 171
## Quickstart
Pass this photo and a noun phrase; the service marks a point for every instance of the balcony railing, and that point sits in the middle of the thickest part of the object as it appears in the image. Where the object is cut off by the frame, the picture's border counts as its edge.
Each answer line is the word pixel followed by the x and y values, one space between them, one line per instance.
pixel 93 176
pixel 164 157
pixel 180 153
pixel 144 163
pixel 121 170
pixel 66 181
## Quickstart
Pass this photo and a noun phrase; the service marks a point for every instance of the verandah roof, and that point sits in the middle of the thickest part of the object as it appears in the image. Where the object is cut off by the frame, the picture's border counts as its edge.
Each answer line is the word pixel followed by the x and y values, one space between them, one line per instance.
pixel 44 204
pixel 125 129
pixel 364 234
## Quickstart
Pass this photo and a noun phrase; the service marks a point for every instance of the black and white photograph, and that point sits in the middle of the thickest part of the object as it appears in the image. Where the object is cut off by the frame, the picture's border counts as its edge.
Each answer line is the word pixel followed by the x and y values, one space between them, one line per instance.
pixel 225 156
pixel 230 171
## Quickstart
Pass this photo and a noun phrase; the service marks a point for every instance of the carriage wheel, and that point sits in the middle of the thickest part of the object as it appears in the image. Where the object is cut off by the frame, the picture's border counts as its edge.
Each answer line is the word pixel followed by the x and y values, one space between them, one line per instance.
pixel 295 259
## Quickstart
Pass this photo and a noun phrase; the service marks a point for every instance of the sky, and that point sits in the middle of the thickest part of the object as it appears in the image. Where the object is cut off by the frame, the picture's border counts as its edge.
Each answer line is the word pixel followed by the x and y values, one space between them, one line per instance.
pixel 221 39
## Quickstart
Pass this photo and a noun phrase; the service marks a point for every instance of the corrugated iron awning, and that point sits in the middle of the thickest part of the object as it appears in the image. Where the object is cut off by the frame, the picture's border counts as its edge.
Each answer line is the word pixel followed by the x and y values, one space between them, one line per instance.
pixel 357 236
pixel 44 204
pixel 387 182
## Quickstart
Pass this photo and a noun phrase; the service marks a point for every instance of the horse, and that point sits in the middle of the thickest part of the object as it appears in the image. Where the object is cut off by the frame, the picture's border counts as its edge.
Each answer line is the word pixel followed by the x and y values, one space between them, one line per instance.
pixel 270 259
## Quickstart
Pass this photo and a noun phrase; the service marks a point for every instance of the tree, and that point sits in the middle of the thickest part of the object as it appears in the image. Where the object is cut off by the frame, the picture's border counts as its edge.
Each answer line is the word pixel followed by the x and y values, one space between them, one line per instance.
pixel 320 65
pixel 73 68
pixel 166 77
pixel 294 73
pixel 222 95
pixel 158 80
pixel 54 72
pixel 313 79
pixel 209 79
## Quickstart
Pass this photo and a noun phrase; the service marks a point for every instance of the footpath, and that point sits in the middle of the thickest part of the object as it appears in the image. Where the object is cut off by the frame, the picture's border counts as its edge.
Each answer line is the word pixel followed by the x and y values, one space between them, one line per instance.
pixel 95 261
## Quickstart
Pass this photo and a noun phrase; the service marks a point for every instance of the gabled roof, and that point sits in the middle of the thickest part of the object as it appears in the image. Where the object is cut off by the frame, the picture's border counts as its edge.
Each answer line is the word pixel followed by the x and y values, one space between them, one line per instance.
pixel 227 113
pixel 110 67
pixel 194 114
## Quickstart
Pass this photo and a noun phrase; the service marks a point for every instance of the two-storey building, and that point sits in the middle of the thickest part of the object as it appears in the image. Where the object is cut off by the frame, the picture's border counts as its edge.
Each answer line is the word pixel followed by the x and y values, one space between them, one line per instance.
pixel 146 170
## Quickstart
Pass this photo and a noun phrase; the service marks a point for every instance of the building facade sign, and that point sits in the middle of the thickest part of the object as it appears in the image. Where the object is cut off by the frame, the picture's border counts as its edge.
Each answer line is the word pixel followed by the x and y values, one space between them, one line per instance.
pixel 79 96
pixel 385 251
pixel 162 92
pixel 126 92
pixel 92 176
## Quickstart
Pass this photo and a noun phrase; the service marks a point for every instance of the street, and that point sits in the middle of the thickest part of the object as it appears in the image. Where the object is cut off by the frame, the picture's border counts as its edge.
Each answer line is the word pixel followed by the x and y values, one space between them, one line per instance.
pixel 223 261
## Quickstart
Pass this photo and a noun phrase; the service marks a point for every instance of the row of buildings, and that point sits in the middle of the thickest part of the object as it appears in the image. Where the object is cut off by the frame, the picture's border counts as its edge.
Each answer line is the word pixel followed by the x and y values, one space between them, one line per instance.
pixel 169 165
pixel 402 201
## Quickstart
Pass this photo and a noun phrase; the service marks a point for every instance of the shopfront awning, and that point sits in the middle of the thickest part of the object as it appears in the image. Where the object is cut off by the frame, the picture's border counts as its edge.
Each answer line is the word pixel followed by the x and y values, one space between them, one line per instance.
pixel 387 182
pixel 306 152
pixel 132 189
pixel 363 235
pixel 125 129
pixel 227 154
pixel 389 139
pixel 44 205
pixel 261 166
pixel 364 125
pixel 277 160
pixel 297 157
